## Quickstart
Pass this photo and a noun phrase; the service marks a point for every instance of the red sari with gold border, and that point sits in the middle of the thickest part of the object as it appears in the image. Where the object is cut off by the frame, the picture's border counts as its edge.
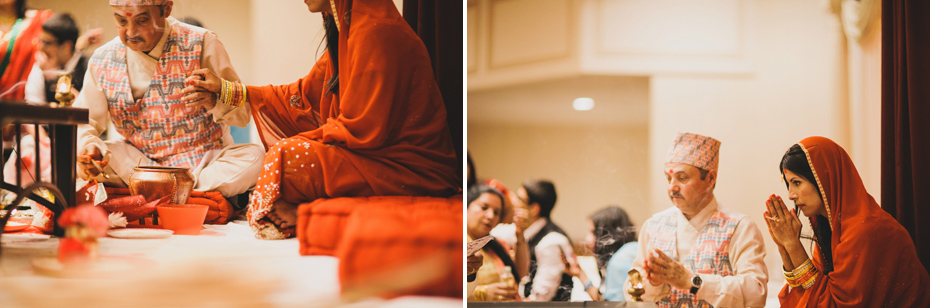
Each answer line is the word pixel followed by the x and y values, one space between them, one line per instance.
pixel 874 260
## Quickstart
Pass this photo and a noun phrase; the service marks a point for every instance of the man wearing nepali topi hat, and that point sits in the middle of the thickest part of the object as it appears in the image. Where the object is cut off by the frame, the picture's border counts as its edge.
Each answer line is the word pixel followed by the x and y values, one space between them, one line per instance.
pixel 135 81
pixel 696 253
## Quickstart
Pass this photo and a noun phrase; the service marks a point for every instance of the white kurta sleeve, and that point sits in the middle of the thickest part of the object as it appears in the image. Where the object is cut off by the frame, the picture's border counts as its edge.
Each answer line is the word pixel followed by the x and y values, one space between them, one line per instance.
pixel 92 98
pixel 35 85
pixel 215 58
pixel 747 287
pixel 549 266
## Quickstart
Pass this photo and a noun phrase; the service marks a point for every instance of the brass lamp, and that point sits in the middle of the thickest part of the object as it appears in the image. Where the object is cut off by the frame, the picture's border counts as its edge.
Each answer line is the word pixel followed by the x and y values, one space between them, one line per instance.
pixel 636 286
pixel 63 91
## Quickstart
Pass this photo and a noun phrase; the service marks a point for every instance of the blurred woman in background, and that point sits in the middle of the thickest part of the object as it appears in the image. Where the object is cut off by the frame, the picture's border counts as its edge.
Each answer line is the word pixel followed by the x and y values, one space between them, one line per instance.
pixel 612 238
pixel 485 207
pixel 20 29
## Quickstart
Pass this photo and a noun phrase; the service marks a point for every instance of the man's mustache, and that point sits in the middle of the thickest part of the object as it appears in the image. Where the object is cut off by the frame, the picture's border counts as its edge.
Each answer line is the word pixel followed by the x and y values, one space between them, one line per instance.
pixel 676 195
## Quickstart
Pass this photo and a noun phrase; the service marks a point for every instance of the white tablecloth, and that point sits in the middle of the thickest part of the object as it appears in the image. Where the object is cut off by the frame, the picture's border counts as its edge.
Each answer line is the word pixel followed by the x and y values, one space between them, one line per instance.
pixel 224 266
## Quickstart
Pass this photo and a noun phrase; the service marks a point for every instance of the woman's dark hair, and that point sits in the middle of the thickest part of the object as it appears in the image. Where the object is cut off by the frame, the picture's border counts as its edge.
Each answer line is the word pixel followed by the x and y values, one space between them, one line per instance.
pixel 472 177
pixel 332 45
pixel 796 161
pixel 476 191
pixel 20 6
pixel 191 21
pixel 612 229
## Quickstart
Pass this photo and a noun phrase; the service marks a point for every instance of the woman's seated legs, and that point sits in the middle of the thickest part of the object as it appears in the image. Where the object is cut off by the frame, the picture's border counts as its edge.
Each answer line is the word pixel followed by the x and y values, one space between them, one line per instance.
pixel 291 174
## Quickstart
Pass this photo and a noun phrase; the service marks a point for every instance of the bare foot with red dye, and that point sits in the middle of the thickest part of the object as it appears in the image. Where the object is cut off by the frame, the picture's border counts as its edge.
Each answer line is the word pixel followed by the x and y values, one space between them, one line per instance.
pixel 283 214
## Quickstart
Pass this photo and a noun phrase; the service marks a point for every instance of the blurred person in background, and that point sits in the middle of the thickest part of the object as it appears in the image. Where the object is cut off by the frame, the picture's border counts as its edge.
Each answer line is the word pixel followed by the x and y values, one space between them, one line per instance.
pixel 485 207
pixel 60 52
pixel 547 280
pixel 20 30
pixel 612 238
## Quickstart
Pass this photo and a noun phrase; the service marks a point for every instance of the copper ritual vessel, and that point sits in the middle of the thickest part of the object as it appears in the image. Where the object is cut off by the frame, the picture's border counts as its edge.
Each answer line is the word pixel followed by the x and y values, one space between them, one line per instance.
pixel 155 182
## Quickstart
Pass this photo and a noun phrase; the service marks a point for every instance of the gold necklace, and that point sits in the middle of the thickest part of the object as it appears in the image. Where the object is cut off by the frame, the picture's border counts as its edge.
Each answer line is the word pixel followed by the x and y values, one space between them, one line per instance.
pixel 7 20
pixel 6 23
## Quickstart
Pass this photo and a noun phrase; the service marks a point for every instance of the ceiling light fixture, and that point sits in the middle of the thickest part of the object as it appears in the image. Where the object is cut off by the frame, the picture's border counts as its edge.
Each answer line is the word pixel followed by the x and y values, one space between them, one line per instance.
pixel 583 103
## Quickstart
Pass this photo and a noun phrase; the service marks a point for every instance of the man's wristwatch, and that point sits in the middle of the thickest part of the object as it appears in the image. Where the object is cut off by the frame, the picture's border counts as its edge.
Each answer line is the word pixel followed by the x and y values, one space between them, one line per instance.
pixel 696 284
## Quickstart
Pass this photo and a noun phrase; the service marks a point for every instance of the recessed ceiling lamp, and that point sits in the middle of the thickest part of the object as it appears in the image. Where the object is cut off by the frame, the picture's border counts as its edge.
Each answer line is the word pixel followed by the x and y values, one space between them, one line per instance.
pixel 583 103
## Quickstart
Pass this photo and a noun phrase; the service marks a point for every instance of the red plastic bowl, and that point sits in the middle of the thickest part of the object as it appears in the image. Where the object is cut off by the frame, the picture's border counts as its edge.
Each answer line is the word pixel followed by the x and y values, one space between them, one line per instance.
pixel 183 219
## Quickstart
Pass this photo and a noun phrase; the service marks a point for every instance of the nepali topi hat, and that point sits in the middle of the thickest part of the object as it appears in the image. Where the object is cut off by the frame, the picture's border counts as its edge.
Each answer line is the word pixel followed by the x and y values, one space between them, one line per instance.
pixel 696 150
pixel 137 2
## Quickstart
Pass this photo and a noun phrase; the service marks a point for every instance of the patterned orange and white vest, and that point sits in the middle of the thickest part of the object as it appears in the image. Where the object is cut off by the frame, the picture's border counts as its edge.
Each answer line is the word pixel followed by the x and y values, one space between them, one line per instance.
pixel 159 124
pixel 709 254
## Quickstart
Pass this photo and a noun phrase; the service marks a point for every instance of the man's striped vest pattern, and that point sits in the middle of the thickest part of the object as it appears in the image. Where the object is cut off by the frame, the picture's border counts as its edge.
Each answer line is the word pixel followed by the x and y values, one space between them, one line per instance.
pixel 709 254
pixel 159 124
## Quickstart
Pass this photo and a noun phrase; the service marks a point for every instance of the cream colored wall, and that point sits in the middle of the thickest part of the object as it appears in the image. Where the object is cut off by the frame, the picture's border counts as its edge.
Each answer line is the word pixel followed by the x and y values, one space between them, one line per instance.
pixel 591 166
pixel 287 41
pixel 865 87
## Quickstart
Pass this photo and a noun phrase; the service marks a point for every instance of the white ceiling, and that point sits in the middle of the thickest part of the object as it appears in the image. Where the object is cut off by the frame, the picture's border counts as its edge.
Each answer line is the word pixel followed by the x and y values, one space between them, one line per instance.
pixel 619 101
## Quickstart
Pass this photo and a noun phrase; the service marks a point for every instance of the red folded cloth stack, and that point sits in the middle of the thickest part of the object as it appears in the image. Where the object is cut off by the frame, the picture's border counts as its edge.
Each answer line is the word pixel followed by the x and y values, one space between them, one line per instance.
pixel 220 211
pixel 388 246
pixel 324 217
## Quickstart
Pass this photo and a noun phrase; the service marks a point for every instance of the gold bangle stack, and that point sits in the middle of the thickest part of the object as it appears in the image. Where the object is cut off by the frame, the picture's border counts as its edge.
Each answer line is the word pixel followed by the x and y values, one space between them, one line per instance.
pixel 233 94
pixel 803 276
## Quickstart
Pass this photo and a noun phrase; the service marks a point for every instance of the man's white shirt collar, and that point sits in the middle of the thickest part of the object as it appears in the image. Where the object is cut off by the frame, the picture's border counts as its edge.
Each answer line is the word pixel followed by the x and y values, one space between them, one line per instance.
pixel 534 228
pixel 702 217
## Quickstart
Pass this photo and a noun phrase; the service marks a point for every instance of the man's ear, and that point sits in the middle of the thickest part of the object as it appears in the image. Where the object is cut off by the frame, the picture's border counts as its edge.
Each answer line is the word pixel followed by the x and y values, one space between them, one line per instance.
pixel 68 45
pixel 168 7
pixel 712 177
pixel 535 209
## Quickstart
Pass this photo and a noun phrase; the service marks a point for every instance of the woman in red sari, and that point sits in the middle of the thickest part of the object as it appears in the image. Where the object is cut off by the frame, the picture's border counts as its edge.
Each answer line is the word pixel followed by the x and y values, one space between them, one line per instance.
pixel 863 257
pixel 368 120
pixel 20 29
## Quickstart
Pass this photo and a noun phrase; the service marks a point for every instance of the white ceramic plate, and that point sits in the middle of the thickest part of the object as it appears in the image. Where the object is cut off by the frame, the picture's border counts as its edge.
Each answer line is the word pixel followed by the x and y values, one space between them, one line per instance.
pixel 12 226
pixel 24 237
pixel 140 233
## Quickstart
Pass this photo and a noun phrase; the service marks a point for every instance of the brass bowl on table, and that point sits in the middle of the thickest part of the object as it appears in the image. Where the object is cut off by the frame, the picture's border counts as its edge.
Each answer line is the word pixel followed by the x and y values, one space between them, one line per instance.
pixel 155 182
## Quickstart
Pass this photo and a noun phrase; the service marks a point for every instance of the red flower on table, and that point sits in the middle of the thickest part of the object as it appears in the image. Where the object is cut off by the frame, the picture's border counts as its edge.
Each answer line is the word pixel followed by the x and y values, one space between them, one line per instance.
pixel 83 224
pixel 91 217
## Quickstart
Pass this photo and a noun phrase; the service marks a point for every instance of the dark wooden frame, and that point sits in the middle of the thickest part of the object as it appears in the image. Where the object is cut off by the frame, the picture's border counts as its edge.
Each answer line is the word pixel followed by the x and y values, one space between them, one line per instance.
pixel 62 132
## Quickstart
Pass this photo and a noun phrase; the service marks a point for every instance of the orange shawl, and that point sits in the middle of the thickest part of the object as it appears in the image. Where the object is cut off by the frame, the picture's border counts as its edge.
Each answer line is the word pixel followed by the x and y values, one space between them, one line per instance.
pixel 23 56
pixel 388 107
pixel 874 260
